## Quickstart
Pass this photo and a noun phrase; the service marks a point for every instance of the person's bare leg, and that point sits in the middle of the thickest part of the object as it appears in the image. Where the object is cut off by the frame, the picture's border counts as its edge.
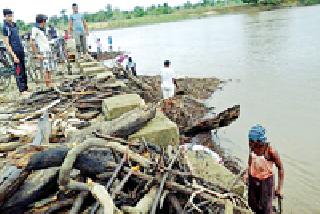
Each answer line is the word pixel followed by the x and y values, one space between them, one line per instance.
pixel 47 78
pixel 50 79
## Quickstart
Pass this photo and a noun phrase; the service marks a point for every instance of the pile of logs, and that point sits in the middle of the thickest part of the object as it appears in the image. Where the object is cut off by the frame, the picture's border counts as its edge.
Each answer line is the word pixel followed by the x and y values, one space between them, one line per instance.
pixel 104 173
pixel 74 162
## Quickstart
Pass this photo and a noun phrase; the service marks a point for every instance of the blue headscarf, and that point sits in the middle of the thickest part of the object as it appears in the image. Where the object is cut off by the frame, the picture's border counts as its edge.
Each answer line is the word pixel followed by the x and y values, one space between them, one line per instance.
pixel 257 134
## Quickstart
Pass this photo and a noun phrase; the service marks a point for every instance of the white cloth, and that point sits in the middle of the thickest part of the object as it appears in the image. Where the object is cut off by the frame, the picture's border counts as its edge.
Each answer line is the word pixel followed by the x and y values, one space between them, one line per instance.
pixel 205 149
pixel 167 76
pixel 41 40
pixel 167 92
pixel 167 86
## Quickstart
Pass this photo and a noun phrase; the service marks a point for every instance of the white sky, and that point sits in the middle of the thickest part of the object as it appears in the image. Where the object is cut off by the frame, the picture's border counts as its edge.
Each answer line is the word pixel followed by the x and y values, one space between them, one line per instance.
pixel 27 9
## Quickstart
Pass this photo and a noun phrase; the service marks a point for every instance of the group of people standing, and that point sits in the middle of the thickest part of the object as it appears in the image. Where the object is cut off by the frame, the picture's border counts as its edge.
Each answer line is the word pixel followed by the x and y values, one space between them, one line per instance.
pixel 40 45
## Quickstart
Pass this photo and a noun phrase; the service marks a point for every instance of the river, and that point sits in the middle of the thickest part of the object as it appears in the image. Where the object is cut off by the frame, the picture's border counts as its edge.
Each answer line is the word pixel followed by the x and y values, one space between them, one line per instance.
pixel 273 60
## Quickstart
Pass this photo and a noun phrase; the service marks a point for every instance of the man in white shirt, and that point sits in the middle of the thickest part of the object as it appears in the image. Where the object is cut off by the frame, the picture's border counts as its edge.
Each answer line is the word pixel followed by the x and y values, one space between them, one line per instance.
pixel 168 83
pixel 41 48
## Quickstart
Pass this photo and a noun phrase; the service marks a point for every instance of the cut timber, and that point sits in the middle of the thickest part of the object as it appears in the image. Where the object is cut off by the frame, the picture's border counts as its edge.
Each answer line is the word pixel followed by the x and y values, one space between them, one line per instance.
pixel 88 64
pixel 64 176
pixel 10 179
pixel 114 107
pixel 89 163
pixel 34 187
pixel 160 131
pixel 223 119
pixel 5 147
pixel 123 126
pixel 144 205
pixel 95 70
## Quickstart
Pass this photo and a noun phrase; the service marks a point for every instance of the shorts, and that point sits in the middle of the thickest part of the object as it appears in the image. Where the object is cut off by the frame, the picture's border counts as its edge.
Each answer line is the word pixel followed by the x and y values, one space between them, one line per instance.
pixel 167 92
pixel 48 63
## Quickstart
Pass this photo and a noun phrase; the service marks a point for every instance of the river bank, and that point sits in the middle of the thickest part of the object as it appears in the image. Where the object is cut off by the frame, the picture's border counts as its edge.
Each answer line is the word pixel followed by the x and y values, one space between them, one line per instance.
pixel 64 145
pixel 184 15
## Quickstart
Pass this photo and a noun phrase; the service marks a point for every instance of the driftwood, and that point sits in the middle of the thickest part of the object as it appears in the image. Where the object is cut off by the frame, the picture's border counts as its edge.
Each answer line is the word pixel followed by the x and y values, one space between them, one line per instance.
pixel 6 147
pixel 34 187
pixel 173 186
pixel 78 202
pixel 164 178
pixel 64 176
pixel 102 195
pixel 175 204
pixel 144 205
pixel 89 163
pixel 222 119
pixel 123 126
pixel 10 179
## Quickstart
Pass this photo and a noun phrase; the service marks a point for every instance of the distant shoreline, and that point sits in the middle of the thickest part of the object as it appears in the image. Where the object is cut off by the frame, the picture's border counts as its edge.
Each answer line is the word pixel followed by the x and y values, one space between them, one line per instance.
pixel 182 15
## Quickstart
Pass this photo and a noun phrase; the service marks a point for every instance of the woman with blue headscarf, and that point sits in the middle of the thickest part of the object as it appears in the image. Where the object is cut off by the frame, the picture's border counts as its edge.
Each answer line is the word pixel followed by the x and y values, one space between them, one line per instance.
pixel 260 174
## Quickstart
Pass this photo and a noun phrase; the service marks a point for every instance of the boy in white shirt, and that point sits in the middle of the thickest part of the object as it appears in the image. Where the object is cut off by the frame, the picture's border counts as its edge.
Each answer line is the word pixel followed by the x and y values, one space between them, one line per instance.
pixel 168 83
pixel 41 48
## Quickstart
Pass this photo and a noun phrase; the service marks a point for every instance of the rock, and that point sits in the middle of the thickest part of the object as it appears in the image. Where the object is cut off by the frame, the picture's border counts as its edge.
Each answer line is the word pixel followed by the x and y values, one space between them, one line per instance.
pixel 160 131
pixel 114 107
pixel 205 167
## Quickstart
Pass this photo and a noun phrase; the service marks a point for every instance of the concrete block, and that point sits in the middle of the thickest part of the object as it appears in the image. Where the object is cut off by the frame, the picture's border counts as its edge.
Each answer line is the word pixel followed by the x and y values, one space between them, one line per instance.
pixel 115 106
pixel 160 131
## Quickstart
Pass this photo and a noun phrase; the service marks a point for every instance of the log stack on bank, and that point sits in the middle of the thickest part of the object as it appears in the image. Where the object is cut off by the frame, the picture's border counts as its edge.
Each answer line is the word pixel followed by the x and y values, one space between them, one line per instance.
pixel 98 145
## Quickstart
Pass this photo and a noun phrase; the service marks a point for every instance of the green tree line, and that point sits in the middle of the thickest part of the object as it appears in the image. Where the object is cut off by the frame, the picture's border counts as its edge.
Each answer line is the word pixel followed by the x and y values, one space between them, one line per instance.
pixel 110 13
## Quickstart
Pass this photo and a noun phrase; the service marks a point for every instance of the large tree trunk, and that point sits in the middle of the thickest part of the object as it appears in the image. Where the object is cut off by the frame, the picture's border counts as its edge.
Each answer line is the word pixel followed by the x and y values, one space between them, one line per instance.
pixel 89 163
pixel 10 179
pixel 123 126
pixel 223 119
pixel 37 185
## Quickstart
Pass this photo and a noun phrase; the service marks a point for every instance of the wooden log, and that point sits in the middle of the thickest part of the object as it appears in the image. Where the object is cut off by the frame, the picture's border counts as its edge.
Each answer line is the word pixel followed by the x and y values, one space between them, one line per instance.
pixel 64 176
pixel 36 185
pixel 10 179
pixel 144 205
pixel 164 178
pixel 224 118
pixel 102 195
pixel 5 147
pixel 78 202
pixel 175 204
pixel 89 163
pixel 173 186
pixel 58 206
pixel 123 126
pixel 43 132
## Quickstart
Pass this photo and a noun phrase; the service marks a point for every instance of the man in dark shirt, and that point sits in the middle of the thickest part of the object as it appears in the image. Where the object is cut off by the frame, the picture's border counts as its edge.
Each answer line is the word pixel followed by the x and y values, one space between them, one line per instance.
pixel 14 46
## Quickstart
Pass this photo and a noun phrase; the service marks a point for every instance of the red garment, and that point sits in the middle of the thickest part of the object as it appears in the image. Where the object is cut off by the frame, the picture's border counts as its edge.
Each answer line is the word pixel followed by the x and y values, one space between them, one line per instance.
pixel 18 69
pixel 260 167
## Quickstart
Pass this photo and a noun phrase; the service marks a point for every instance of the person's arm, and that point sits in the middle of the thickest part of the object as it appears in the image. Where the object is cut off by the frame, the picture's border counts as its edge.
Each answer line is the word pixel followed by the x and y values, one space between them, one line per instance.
pixel 247 170
pixel 33 45
pixel 174 79
pixel 9 48
pixel 70 26
pixel 85 25
pixel 274 154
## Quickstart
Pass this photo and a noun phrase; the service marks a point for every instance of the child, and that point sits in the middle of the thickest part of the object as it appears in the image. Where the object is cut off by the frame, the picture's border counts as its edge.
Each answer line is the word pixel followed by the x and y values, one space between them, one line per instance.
pixel 131 66
pixel 168 83
pixel 99 48
pixel 43 52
